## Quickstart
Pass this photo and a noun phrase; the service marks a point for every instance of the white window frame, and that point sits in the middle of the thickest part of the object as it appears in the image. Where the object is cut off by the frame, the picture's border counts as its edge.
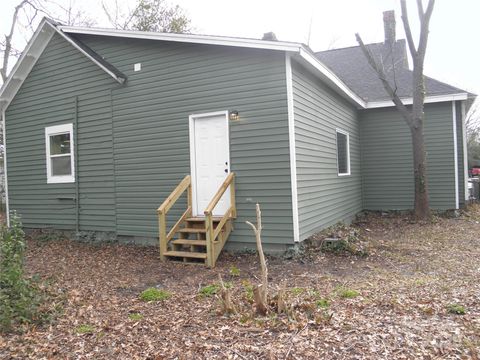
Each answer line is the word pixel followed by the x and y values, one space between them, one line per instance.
pixel 58 130
pixel 340 131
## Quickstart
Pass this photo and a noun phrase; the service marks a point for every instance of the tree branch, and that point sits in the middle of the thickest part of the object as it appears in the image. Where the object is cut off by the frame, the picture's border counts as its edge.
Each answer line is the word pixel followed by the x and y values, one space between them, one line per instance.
pixel 420 9
pixel 425 21
pixel 383 78
pixel 408 31
pixel 8 41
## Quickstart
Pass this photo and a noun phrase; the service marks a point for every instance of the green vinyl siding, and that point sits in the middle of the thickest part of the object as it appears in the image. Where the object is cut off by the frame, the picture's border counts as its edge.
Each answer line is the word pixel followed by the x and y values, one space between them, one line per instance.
pixel 151 130
pixel 133 140
pixel 47 98
pixel 324 198
pixel 387 168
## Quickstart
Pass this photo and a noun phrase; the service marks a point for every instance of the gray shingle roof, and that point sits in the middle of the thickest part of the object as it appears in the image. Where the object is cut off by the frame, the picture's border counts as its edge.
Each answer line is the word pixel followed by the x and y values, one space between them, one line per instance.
pixel 352 67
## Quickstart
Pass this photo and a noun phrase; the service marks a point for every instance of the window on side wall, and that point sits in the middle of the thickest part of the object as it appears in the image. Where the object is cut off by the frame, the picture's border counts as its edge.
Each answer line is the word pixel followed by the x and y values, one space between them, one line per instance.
pixel 343 153
pixel 59 151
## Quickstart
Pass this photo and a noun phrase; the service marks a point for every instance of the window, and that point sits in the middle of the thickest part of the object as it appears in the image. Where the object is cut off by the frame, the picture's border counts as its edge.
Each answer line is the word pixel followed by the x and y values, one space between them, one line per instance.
pixel 59 146
pixel 343 153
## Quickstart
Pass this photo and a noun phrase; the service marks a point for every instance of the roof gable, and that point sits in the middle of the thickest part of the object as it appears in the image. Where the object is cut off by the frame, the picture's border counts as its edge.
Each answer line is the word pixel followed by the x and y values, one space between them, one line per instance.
pixel 34 50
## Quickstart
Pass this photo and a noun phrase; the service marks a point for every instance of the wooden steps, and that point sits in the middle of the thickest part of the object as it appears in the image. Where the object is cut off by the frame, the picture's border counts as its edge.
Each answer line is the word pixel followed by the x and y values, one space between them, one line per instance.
pixel 186 254
pixel 189 242
pixel 196 239
pixel 192 230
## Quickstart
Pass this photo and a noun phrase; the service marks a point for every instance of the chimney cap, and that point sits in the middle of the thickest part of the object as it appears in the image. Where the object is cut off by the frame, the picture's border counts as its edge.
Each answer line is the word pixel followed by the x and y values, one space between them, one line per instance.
pixel 269 36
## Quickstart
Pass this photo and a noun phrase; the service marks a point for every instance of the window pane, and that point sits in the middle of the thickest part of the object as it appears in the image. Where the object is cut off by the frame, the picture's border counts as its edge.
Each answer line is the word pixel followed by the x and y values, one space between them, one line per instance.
pixel 61 166
pixel 60 144
pixel 342 155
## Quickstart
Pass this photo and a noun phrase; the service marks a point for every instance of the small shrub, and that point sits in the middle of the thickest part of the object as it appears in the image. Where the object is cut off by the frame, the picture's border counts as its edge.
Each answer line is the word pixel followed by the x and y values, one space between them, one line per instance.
pixel 209 290
pixel 323 303
pixel 85 329
pixel 21 299
pixel 297 291
pixel 346 293
pixel 234 271
pixel 248 287
pixel 135 316
pixel 456 309
pixel 154 294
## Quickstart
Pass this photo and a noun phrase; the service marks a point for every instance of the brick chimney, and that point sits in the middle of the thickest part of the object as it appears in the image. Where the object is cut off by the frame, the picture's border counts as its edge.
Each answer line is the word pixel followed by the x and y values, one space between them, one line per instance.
pixel 389 26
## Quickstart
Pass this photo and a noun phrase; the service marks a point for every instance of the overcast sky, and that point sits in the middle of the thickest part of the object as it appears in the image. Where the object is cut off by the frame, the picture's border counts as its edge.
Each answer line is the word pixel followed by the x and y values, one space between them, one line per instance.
pixel 452 54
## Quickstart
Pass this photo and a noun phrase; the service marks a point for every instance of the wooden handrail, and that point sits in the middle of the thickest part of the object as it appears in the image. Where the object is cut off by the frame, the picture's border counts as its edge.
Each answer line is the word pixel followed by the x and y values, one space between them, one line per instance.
pixel 162 211
pixel 211 232
pixel 222 223
pixel 221 190
pixel 173 197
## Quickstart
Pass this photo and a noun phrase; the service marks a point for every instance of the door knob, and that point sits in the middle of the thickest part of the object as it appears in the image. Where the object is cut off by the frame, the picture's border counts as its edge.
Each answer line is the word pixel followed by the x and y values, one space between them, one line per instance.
pixel 226 170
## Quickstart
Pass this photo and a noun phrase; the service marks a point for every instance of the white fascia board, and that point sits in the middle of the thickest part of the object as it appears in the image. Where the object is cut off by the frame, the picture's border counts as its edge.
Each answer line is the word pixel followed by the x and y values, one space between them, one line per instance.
pixel 428 99
pixel 292 146
pixel 187 38
pixel 25 63
pixel 330 76
pixel 292 47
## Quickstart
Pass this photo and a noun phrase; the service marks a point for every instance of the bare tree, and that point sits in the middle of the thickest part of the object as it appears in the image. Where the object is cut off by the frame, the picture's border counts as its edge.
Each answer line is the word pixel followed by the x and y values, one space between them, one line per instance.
pixel 414 117
pixel 148 15
pixel 26 16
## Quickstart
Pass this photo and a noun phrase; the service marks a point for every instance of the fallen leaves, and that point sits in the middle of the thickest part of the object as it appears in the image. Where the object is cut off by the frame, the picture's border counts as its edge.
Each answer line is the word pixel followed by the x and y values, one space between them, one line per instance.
pixel 413 272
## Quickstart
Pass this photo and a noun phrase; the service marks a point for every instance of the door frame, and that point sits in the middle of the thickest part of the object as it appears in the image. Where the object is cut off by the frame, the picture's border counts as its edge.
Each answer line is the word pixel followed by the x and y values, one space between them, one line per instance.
pixel 193 163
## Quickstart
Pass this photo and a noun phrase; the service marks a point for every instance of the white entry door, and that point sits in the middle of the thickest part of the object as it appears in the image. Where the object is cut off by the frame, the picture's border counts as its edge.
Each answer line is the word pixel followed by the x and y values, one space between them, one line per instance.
pixel 210 160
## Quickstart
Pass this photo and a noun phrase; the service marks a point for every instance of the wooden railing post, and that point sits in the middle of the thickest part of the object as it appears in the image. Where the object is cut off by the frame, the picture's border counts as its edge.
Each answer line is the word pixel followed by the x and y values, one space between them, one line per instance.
pixel 232 198
pixel 184 185
pixel 162 226
pixel 209 239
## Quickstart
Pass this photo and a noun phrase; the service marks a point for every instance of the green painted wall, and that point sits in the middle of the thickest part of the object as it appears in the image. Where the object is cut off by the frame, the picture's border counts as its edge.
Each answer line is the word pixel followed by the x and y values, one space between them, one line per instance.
pixel 324 198
pixel 387 158
pixel 46 98
pixel 134 140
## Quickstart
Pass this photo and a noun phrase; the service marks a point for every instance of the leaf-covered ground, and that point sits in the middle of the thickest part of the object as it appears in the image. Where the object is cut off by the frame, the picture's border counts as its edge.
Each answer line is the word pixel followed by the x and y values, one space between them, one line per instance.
pixel 397 303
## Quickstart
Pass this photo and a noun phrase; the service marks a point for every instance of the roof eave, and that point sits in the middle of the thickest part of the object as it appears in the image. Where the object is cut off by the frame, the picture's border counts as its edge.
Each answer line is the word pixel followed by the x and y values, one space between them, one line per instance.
pixel 35 47
pixel 305 54
pixel 428 100
pixel 25 63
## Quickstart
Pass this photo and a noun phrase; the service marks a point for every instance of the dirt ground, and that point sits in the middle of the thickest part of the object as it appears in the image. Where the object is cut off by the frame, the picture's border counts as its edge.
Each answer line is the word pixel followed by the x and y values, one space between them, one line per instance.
pixel 406 286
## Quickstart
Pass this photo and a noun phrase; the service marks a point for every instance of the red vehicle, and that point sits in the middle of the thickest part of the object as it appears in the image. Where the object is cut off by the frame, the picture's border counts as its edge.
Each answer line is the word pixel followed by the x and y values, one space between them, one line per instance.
pixel 475 171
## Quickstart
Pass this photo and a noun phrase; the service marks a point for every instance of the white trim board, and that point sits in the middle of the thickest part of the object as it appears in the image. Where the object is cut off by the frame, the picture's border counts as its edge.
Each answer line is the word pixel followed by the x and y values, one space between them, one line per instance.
pixel 409 101
pixel 58 130
pixel 292 145
pixel 465 153
pixel 5 170
pixel 347 134
pixel 455 152
pixel 304 54
pixel 25 63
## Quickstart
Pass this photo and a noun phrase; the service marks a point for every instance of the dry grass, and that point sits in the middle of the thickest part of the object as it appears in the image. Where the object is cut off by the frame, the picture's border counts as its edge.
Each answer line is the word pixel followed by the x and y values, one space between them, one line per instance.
pixel 406 286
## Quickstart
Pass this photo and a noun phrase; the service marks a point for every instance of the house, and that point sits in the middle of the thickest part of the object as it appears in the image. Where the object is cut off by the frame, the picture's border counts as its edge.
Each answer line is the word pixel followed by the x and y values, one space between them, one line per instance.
pixel 102 127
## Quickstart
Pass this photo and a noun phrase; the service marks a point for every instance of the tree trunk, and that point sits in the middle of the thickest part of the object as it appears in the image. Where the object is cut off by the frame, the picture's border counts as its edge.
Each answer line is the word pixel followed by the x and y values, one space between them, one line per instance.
pixel 421 206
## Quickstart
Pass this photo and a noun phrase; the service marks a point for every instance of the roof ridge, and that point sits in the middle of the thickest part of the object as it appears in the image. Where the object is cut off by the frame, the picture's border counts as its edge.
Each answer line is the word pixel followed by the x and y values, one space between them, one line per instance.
pixel 355 46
